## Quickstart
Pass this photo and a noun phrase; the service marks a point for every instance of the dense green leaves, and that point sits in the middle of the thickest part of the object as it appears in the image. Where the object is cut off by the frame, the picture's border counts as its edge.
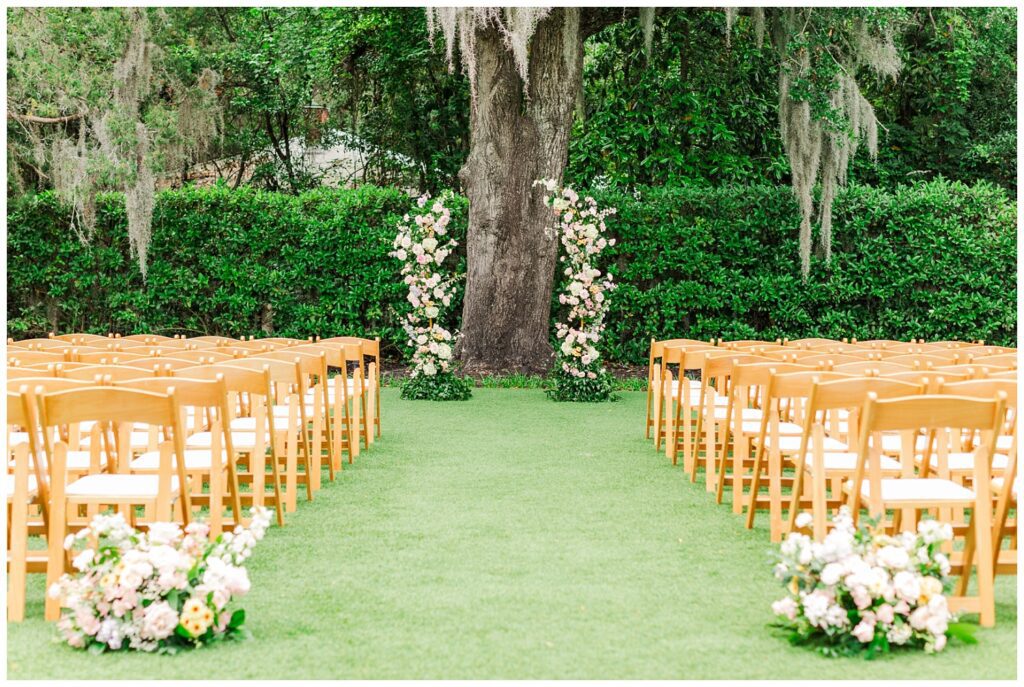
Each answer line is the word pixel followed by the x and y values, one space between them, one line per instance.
pixel 934 260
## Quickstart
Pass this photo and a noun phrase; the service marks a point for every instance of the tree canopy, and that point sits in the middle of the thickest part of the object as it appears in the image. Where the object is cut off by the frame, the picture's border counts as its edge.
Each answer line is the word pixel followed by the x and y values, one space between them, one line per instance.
pixel 130 99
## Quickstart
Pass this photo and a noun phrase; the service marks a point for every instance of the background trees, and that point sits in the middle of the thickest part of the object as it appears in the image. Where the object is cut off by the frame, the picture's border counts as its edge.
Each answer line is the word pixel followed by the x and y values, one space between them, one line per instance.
pixel 242 94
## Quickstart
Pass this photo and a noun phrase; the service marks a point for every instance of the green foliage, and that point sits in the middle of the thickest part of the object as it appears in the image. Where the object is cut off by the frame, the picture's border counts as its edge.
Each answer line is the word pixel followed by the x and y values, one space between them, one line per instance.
pixel 565 387
pixel 934 260
pixel 444 386
pixel 237 262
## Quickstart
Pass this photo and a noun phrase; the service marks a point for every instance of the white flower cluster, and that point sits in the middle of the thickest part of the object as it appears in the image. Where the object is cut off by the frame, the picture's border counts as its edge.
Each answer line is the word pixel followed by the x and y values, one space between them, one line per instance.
pixel 867 585
pixel 581 230
pixel 135 590
pixel 421 245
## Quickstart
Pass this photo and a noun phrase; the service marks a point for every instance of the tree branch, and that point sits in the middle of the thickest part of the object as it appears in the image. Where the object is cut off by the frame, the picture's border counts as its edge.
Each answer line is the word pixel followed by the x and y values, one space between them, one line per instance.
pixel 42 120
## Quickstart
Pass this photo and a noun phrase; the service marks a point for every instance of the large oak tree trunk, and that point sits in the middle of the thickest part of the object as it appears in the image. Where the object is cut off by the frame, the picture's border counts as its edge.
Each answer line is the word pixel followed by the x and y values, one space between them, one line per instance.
pixel 515 140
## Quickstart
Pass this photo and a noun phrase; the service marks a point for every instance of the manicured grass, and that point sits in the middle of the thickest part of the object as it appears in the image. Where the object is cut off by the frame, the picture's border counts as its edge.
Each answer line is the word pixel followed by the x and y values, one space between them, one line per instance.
pixel 512 537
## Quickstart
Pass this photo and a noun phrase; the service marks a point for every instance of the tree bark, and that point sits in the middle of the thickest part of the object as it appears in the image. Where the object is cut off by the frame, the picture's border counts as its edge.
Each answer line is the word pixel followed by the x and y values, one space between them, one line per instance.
pixel 515 140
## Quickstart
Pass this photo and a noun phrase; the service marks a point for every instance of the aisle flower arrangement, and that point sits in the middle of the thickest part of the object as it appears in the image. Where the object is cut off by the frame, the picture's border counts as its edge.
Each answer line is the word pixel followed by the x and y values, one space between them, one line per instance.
pixel 423 244
pixel 579 373
pixel 163 590
pixel 861 591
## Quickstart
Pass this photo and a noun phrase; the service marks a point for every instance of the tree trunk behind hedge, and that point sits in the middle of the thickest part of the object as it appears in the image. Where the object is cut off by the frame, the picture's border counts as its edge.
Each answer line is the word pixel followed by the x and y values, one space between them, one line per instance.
pixel 512 251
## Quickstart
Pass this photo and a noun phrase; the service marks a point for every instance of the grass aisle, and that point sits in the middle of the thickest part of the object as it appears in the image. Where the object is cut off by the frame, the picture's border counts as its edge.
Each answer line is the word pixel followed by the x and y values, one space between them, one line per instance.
pixel 511 537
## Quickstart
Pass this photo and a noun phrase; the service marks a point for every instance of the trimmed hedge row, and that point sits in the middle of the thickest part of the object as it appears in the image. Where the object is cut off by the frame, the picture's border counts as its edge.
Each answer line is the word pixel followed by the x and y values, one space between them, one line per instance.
pixel 933 260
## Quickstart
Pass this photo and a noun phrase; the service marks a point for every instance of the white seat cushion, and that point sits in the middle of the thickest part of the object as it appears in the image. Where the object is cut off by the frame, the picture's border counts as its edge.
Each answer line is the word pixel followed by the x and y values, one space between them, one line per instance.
pixel 118 487
pixel 242 441
pixel 15 438
pixel 906 490
pixel 964 462
pixel 785 429
pixel 32 486
pixel 748 413
pixel 195 459
pixel 138 440
pixel 847 462
pixel 791 444
pixel 82 460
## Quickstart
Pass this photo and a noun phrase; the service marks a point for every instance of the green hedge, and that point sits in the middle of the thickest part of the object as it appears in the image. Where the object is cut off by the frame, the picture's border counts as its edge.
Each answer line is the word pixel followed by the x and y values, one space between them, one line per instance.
pixel 933 260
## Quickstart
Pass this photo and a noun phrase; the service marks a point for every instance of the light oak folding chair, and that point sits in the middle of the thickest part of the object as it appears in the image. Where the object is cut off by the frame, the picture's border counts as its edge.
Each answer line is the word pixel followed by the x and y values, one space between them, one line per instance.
pixel 370 372
pixel 314 408
pixel 871 368
pixel 665 387
pixel 250 395
pixel 809 343
pixel 1006 489
pixel 79 460
pixel 713 409
pixel 204 356
pixel 157 493
pixel 745 414
pixel 290 439
pixel 908 494
pixel 828 442
pixel 656 366
pixel 26 490
pixel 20 358
pixel 203 405
pixel 346 402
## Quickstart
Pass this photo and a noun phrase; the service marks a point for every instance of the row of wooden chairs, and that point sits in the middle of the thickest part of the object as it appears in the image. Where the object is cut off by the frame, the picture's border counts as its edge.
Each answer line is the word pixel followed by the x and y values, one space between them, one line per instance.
pixel 787 429
pixel 159 437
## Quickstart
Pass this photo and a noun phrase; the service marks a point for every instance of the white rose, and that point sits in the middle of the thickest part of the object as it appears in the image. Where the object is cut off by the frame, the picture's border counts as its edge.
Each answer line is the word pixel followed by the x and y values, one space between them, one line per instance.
pixel 831 574
pixel 893 557
pixel 429 369
pixel 907 586
pixel 429 244
pixel 431 312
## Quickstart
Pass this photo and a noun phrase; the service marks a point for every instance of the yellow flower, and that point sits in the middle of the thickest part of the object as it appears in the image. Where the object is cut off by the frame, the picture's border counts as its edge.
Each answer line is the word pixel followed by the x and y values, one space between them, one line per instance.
pixel 193 607
pixel 794 586
pixel 193 626
pixel 107 580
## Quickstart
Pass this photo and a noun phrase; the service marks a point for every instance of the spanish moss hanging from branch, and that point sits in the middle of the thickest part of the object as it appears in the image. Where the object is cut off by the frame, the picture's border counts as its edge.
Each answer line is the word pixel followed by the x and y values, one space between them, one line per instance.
pixel 823 115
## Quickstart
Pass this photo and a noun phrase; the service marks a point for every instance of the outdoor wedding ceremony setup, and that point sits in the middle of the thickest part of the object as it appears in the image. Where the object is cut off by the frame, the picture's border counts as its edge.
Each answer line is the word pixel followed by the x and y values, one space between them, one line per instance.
pixel 511 343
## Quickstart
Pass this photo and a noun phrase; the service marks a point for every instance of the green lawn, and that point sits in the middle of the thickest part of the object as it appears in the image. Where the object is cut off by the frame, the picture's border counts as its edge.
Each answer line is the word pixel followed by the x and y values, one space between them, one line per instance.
pixel 511 537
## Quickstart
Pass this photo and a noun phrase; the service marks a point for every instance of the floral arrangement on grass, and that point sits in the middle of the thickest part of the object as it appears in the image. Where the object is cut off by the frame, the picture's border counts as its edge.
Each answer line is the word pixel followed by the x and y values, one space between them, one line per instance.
pixel 861 591
pixel 163 590
pixel 579 373
pixel 422 246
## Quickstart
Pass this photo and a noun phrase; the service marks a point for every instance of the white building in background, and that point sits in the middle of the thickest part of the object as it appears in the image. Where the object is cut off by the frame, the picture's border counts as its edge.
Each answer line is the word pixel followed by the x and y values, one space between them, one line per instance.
pixel 339 159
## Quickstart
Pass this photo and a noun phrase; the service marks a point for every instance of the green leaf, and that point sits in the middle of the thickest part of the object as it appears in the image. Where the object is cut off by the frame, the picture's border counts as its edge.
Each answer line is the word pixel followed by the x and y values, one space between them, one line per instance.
pixel 963 631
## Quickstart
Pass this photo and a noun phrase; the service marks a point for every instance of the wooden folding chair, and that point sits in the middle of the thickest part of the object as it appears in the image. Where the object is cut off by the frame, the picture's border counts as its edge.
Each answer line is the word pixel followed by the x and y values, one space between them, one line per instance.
pixel 743 420
pixel 656 366
pixel 284 421
pixel 713 409
pixel 250 397
pixel 828 440
pixel 157 493
pixel 871 368
pixel 203 405
pixel 315 407
pixel 26 490
pixel 908 494
pixel 809 343
pixel 20 358
pixel 370 372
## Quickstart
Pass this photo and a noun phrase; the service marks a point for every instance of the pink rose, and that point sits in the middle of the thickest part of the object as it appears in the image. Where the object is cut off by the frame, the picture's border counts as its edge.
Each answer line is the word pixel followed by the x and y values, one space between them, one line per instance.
pixel 864 632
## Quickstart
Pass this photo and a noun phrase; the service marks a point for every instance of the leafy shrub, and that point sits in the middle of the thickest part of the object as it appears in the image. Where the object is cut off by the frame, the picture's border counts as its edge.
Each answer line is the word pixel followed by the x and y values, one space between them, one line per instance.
pixel 934 260
pixel 444 386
